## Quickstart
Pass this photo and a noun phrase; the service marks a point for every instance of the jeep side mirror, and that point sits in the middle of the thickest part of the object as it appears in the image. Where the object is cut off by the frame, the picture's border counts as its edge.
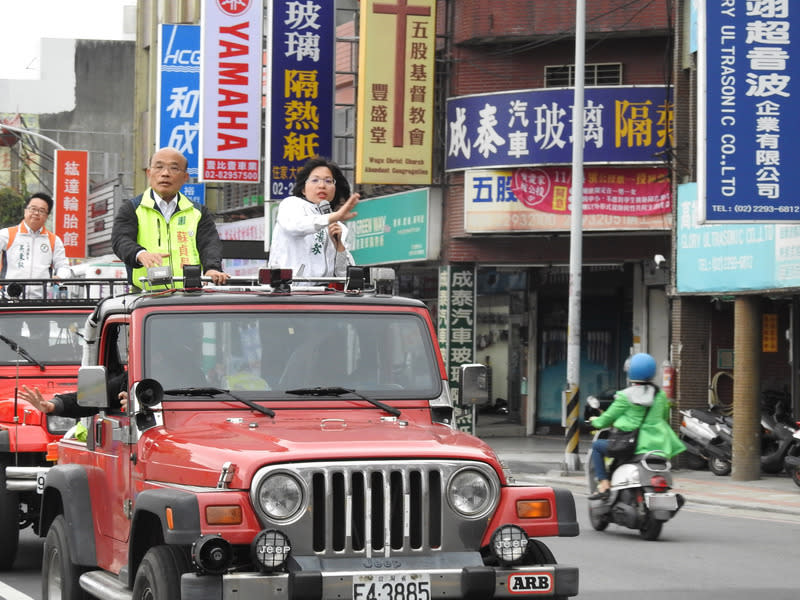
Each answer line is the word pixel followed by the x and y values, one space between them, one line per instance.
pixel 92 387
pixel 473 388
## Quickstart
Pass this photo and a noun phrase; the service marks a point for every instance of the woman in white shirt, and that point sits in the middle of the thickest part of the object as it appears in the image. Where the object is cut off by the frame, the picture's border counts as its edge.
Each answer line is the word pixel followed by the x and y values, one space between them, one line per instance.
pixel 309 235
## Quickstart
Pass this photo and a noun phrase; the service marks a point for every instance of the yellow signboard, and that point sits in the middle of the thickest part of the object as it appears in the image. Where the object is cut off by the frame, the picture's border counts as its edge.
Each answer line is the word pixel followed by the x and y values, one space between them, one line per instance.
pixel 395 92
pixel 769 333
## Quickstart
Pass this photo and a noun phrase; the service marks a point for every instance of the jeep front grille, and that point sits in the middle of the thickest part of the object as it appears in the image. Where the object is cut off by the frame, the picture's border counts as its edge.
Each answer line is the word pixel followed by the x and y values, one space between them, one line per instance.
pixel 376 508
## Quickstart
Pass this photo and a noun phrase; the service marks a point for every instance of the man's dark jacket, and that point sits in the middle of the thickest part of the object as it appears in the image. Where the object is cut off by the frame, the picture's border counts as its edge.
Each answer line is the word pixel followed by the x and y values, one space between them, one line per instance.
pixel 126 228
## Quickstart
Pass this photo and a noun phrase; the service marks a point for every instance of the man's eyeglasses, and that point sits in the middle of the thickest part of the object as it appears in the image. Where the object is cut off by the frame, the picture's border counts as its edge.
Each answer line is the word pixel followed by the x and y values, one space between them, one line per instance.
pixel 37 211
pixel 326 181
pixel 158 167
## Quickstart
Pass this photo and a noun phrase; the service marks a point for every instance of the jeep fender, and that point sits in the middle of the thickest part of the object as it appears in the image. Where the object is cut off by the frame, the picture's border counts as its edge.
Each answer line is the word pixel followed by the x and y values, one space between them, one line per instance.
pixel 562 522
pixel 149 525
pixel 67 492
pixel 185 514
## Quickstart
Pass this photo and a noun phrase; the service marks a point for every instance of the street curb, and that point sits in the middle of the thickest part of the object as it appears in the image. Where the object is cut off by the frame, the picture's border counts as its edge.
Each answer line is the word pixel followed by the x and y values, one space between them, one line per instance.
pixel 556 478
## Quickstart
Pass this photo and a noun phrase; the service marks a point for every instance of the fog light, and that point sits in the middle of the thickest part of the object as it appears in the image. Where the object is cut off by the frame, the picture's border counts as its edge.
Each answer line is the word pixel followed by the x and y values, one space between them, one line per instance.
pixel 212 554
pixel 509 544
pixel 278 279
pixel 192 277
pixel 270 549
pixel 14 290
pixel 357 278
pixel 161 275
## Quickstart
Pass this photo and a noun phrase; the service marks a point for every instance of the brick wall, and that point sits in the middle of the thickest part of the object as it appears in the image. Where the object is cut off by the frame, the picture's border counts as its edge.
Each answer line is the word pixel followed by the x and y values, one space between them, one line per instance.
pixel 495 68
pixel 477 20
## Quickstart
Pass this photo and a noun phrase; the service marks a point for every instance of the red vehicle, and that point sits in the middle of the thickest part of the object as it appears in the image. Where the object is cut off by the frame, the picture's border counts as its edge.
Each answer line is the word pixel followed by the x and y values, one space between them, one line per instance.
pixel 40 345
pixel 286 443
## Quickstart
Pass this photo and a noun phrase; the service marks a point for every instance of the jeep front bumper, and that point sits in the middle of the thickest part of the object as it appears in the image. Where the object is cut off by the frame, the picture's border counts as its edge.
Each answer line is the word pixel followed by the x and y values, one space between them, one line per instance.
pixel 470 583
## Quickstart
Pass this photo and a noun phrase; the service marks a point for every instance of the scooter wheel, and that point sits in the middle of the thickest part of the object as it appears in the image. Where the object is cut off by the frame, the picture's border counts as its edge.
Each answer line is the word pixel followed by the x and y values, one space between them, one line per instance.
pixel 719 466
pixel 796 476
pixel 651 529
pixel 599 522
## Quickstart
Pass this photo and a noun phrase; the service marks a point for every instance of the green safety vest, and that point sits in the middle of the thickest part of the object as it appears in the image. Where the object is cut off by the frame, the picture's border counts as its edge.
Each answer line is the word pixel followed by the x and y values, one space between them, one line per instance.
pixel 178 237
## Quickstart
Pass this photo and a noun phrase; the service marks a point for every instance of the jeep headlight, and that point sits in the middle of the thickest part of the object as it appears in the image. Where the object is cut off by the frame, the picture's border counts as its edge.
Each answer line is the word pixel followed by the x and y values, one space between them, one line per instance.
pixel 58 425
pixel 471 493
pixel 281 496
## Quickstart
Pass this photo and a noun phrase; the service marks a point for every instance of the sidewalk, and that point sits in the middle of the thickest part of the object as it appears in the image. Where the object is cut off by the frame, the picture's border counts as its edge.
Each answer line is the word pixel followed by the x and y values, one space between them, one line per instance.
pixel 540 459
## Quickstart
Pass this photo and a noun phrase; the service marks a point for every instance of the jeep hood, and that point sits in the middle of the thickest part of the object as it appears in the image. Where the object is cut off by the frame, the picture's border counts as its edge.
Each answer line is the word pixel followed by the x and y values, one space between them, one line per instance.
pixel 195 455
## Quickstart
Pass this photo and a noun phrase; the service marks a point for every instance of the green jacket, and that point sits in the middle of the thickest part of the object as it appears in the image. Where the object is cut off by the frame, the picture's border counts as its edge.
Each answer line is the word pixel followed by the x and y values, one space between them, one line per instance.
pixel 627 411
pixel 190 237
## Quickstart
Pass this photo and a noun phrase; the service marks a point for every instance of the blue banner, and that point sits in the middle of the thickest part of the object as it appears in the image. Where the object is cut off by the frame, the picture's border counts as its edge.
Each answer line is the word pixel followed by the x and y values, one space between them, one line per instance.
pixel 300 58
pixel 728 258
pixel 751 119
pixel 179 91
pixel 196 192
pixel 622 124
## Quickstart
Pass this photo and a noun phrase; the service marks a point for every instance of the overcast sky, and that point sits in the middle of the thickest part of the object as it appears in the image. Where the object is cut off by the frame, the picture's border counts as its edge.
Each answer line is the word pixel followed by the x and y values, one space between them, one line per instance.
pixel 25 22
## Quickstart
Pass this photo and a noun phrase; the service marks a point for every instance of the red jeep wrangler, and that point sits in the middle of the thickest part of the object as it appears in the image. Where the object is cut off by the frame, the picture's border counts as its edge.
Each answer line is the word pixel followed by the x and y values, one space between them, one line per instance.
pixel 286 443
pixel 40 346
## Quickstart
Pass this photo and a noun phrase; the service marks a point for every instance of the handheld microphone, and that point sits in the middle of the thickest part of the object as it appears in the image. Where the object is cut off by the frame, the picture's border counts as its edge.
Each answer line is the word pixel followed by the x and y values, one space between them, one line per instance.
pixel 325 209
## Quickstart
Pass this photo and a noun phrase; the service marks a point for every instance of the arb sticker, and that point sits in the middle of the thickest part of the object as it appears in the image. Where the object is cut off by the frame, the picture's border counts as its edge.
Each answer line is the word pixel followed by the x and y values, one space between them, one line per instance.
pixel 530 583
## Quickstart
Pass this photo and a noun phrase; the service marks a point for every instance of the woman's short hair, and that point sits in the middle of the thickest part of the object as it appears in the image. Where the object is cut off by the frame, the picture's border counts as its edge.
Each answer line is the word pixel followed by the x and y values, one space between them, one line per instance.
pixel 342 185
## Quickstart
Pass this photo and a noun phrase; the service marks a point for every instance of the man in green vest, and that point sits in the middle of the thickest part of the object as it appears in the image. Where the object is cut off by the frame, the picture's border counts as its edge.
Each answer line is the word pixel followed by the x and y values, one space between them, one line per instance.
pixel 163 227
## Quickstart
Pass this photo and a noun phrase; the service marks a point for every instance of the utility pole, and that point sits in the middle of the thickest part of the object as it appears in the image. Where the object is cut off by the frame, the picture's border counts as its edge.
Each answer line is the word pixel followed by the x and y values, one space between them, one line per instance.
pixel 572 400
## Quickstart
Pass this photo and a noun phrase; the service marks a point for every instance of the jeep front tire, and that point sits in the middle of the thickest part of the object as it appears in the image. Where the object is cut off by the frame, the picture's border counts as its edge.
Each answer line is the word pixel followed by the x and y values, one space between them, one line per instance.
pixel 9 522
pixel 59 574
pixel 159 574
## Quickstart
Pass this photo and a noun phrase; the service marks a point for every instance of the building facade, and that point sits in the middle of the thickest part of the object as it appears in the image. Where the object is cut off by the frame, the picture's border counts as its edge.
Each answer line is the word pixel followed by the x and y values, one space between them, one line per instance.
pixel 518 59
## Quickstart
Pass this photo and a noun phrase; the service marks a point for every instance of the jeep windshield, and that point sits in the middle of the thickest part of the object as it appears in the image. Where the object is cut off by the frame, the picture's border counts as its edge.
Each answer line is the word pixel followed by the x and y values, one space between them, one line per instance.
pixel 44 338
pixel 273 354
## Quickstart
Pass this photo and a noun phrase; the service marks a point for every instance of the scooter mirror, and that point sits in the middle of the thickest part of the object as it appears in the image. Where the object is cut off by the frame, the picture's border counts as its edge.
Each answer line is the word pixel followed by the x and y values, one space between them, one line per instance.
pixel 593 402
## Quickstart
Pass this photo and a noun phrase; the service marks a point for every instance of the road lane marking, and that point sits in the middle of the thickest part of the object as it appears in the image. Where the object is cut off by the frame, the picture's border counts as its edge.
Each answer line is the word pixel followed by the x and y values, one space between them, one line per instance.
pixel 9 593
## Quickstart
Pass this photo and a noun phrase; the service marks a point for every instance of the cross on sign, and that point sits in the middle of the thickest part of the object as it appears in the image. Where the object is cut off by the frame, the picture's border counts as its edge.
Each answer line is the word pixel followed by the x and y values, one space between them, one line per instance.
pixel 402 10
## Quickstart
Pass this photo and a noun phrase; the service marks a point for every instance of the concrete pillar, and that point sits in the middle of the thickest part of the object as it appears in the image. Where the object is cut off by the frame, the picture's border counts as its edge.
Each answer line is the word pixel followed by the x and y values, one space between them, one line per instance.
pixel 746 386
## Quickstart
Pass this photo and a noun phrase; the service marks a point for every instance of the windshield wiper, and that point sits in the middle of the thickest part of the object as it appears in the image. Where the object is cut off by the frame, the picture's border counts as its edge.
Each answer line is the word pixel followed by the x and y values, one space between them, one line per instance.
pixel 340 391
pixel 21 351
pixel 212 391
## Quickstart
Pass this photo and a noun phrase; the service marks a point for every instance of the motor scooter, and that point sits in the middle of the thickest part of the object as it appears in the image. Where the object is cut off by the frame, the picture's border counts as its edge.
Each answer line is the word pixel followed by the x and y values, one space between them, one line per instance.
pixel 708 437
pixel 778 442
pixel 791 463
pixel 640 496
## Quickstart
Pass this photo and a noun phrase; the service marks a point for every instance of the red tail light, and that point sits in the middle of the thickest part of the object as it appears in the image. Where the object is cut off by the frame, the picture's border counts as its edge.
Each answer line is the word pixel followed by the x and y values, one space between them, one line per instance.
pixel 659 483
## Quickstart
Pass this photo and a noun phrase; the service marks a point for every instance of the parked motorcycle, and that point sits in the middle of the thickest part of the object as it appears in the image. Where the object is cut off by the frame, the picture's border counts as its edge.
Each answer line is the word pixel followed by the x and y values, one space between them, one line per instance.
pixel 792 461
pixel 640 496
pixel 778 429
pixel 778 442
pixel 708 437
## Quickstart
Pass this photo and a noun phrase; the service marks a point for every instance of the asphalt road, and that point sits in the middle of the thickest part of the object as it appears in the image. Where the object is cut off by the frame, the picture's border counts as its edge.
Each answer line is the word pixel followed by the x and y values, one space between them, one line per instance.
pixel 704 553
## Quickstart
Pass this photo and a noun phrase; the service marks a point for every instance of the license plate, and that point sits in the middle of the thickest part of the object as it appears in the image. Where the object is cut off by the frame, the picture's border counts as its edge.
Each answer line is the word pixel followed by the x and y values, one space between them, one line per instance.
pixel 665 501
pixel 392 586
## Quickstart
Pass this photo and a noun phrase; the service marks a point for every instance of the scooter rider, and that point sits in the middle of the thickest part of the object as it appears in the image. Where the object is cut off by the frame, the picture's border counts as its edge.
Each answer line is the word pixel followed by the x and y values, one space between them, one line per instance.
pixel 628 411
